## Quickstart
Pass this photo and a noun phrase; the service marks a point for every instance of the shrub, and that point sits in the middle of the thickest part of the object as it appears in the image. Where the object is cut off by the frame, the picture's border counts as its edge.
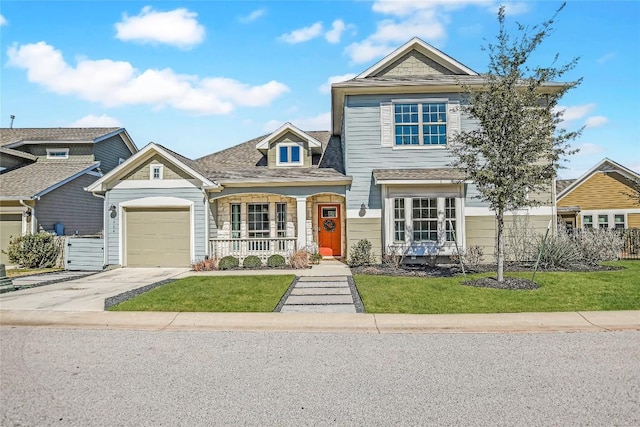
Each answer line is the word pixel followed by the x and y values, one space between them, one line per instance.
pixel 599 244
pixel 299 259
pixel 393 256
pixel 252 261
pixel 275 261
pixel 315 258
pixel 228 262
pixel 208 264
pixel 559 251
pixel 360 254
pixel 33 250
pixel 472 257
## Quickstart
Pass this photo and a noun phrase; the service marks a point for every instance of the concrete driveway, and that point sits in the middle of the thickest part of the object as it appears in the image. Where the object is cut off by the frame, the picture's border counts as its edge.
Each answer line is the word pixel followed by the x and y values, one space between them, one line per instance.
pixel 87 293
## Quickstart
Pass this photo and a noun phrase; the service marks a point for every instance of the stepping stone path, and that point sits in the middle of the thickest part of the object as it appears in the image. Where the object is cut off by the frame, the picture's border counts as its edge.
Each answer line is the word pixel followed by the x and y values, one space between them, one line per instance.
pixel 330 294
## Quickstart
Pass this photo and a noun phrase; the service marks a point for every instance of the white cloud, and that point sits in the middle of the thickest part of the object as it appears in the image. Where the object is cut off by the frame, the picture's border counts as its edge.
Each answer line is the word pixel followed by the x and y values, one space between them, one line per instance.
pixel 252 16
pixel 366 51
pixel 177 27
pixel 302 34
pixel 116 83
pixel 606 57
pixel 3 21
pixel 595 121
pixel 575 112
pixel 335 33
pixel 326 87
pixel 588 149
pixel 319 122
pixel 96 121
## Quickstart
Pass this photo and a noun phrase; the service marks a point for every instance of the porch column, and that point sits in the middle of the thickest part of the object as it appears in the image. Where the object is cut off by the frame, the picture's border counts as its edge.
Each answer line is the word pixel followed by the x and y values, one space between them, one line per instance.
pixel 301 210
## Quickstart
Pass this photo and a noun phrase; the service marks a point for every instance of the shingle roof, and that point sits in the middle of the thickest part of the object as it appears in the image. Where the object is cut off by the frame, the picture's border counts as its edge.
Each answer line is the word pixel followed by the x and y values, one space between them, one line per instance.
pixel 11 135
pixel 188 162
pixel 30 180
pixel 426 174
pixel 244 162
pixel 561 184
pixel 16 153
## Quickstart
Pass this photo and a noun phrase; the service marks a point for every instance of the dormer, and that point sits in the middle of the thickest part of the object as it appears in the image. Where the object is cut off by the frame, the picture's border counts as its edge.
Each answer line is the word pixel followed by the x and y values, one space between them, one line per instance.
pixel 289 147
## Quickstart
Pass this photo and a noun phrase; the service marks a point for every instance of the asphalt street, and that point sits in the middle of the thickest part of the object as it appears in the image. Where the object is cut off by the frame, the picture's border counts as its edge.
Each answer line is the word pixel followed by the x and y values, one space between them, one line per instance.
pixel 89 377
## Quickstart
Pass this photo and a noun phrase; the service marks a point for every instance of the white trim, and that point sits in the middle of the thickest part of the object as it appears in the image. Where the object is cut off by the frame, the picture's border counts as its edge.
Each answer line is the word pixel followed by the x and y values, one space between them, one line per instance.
pixel 611 213
pixel 419 181
pixel 301 211
pixel 157 202
pixel 152 171
pixel 287 127
pixel 50 152
pixel 484 211
pixel 156 183
pixel 627 173
pixel 370 213
pixel 289 146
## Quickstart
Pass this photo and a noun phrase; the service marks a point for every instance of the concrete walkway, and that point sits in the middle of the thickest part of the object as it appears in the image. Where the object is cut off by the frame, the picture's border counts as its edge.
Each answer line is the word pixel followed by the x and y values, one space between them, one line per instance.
pixel 321 294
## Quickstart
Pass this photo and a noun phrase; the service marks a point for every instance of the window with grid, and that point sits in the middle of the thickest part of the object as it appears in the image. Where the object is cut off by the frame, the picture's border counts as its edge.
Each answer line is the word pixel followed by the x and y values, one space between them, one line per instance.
pixel 258 220
pixel 398 220
pixel 618 221
pixel 235 224
pixel 450 219
pixel 603 221
pixel 420 124
pixel 587 221
pixel 425 219
pixel 281 223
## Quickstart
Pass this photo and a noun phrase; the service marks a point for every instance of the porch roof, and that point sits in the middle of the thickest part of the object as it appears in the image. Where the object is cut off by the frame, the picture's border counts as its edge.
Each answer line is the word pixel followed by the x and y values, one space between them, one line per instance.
pixel 440 175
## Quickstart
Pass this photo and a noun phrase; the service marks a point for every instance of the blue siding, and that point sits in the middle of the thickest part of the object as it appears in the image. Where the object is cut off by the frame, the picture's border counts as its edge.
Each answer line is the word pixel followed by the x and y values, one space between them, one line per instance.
pixel 117 196
pixel 364 153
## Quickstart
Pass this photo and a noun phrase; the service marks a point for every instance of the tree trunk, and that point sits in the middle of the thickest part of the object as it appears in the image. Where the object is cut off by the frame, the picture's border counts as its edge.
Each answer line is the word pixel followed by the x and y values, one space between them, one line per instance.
pixel 500 219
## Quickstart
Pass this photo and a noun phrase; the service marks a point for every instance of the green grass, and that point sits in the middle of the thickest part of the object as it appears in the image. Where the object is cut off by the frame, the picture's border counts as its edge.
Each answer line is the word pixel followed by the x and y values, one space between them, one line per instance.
pixel 213 294
pixel 559 291
pixel 17 272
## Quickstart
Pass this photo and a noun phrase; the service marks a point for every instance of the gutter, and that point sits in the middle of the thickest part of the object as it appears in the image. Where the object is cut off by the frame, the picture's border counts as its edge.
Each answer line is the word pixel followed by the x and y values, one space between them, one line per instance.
pixel 32 211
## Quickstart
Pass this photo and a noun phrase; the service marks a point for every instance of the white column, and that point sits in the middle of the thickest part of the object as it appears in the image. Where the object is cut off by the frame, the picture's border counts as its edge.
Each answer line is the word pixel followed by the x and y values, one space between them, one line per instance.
pixel 301 210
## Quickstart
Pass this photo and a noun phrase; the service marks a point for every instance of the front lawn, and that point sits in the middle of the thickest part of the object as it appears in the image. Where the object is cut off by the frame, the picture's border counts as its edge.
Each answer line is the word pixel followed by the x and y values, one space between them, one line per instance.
pixel 559 291
pixel 213 294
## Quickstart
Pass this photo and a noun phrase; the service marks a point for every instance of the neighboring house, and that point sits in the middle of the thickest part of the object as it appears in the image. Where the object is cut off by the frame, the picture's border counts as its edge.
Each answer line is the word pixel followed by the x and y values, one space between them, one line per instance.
pixel 43 173
pixel 382 173
pixel 599 198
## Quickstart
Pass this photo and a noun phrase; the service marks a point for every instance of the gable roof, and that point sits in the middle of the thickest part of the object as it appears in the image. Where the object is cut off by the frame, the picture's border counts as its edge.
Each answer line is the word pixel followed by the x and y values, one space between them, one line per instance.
pixel 244 164
pixel 605 165
pixel 39 178
pixel 418 45
pixel 17 153
pixel 15 137
pixel 282 130
pixel 187 165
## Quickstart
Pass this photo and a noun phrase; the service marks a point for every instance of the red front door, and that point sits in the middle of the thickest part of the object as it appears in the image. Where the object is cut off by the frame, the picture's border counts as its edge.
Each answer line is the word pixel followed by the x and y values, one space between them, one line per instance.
pixel 329 240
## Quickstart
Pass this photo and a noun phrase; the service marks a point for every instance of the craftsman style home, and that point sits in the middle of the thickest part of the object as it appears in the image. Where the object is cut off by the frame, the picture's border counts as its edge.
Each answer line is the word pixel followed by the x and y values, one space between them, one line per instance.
pixel 43 173
pixel 381 173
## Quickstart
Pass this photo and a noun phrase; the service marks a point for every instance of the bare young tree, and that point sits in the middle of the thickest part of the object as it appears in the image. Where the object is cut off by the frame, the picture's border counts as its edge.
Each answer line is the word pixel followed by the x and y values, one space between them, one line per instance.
pixel 519 144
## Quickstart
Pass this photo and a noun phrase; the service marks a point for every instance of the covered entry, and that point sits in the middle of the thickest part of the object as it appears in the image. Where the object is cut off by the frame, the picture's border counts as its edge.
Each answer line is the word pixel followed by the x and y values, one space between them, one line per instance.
pixel 158 237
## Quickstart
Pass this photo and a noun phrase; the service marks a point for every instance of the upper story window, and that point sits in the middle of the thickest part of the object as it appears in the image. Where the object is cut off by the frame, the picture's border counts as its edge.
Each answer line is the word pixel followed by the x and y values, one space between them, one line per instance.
pixel 420 124
pixel 57 153
pixel 155 171
pixel 289 154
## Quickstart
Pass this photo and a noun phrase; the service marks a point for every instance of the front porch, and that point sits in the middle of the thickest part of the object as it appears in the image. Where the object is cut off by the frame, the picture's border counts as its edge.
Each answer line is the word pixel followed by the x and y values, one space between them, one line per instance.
pixel 264 224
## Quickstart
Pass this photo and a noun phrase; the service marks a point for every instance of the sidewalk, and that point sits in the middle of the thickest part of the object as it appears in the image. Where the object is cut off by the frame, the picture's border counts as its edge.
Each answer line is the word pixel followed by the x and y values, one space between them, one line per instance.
pixel 592 321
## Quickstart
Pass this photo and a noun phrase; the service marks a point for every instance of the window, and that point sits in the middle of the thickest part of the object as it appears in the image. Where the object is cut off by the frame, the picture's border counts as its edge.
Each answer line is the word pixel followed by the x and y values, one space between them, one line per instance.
pixel 618 221
pixel 330 212
pixel 398 220
pixel 155 171
pixel 289 154
pixel 587 221
pixel 450 219
pixel 425 220
pixel 603 221
pixel 281 223
pixel 57 153
pixel 420 124
pixel 235 224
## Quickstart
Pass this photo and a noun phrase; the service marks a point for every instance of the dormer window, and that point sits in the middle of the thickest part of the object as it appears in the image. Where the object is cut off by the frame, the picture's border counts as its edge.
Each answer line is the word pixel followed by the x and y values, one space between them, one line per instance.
pixel 289 155
pixel 57 153
pixel 155 171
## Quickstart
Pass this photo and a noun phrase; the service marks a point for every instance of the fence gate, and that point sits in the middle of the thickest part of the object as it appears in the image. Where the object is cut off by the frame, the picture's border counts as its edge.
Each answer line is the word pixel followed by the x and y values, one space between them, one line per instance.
pixel 84 253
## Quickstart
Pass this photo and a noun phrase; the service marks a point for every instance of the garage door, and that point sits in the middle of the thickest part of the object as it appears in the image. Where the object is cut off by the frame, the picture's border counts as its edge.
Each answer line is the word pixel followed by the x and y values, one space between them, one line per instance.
pixel 157 237
pixel 10 225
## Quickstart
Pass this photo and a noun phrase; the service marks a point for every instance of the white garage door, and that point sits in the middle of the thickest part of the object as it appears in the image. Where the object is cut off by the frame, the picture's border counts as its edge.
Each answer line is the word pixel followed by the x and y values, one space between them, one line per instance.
pixel 10 226
pixel 157 237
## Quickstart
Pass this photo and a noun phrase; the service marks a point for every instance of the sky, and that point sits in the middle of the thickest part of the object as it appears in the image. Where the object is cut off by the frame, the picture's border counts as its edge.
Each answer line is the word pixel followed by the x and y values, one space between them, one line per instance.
pixel 202 76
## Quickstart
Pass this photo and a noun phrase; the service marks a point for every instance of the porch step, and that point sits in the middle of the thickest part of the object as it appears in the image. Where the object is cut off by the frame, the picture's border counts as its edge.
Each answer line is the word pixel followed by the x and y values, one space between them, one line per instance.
pixel 328 294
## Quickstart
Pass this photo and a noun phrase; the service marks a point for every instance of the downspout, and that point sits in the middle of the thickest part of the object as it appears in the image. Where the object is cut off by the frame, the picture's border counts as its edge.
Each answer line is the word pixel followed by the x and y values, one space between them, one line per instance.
pixel 32 211
pixel 105 225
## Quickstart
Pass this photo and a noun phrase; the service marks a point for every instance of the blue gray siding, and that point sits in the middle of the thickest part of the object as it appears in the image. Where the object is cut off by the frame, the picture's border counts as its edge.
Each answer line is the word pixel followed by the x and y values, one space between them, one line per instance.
pixel 363 150
pixel 108 152
pixel 117 196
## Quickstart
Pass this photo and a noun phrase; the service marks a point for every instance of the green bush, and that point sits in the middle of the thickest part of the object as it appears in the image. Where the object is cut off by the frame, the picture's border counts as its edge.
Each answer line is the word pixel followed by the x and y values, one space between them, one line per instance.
pixel 559 251
pixel 229 262
pixel 33 250
pixel 252 261
pixel 275 261
pixel 360 254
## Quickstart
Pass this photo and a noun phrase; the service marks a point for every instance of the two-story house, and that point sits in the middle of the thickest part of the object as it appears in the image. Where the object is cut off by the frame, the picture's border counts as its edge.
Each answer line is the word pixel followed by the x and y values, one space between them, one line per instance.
pixel 382 173
pixel 43 173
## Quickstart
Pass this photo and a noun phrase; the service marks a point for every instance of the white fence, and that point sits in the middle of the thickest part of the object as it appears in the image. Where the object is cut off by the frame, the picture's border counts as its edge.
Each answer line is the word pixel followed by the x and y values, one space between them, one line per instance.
pixel 262 248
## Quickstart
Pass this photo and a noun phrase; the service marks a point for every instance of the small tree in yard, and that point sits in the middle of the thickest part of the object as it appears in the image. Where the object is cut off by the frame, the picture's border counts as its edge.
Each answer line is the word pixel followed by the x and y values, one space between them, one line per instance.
pixel 517 149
